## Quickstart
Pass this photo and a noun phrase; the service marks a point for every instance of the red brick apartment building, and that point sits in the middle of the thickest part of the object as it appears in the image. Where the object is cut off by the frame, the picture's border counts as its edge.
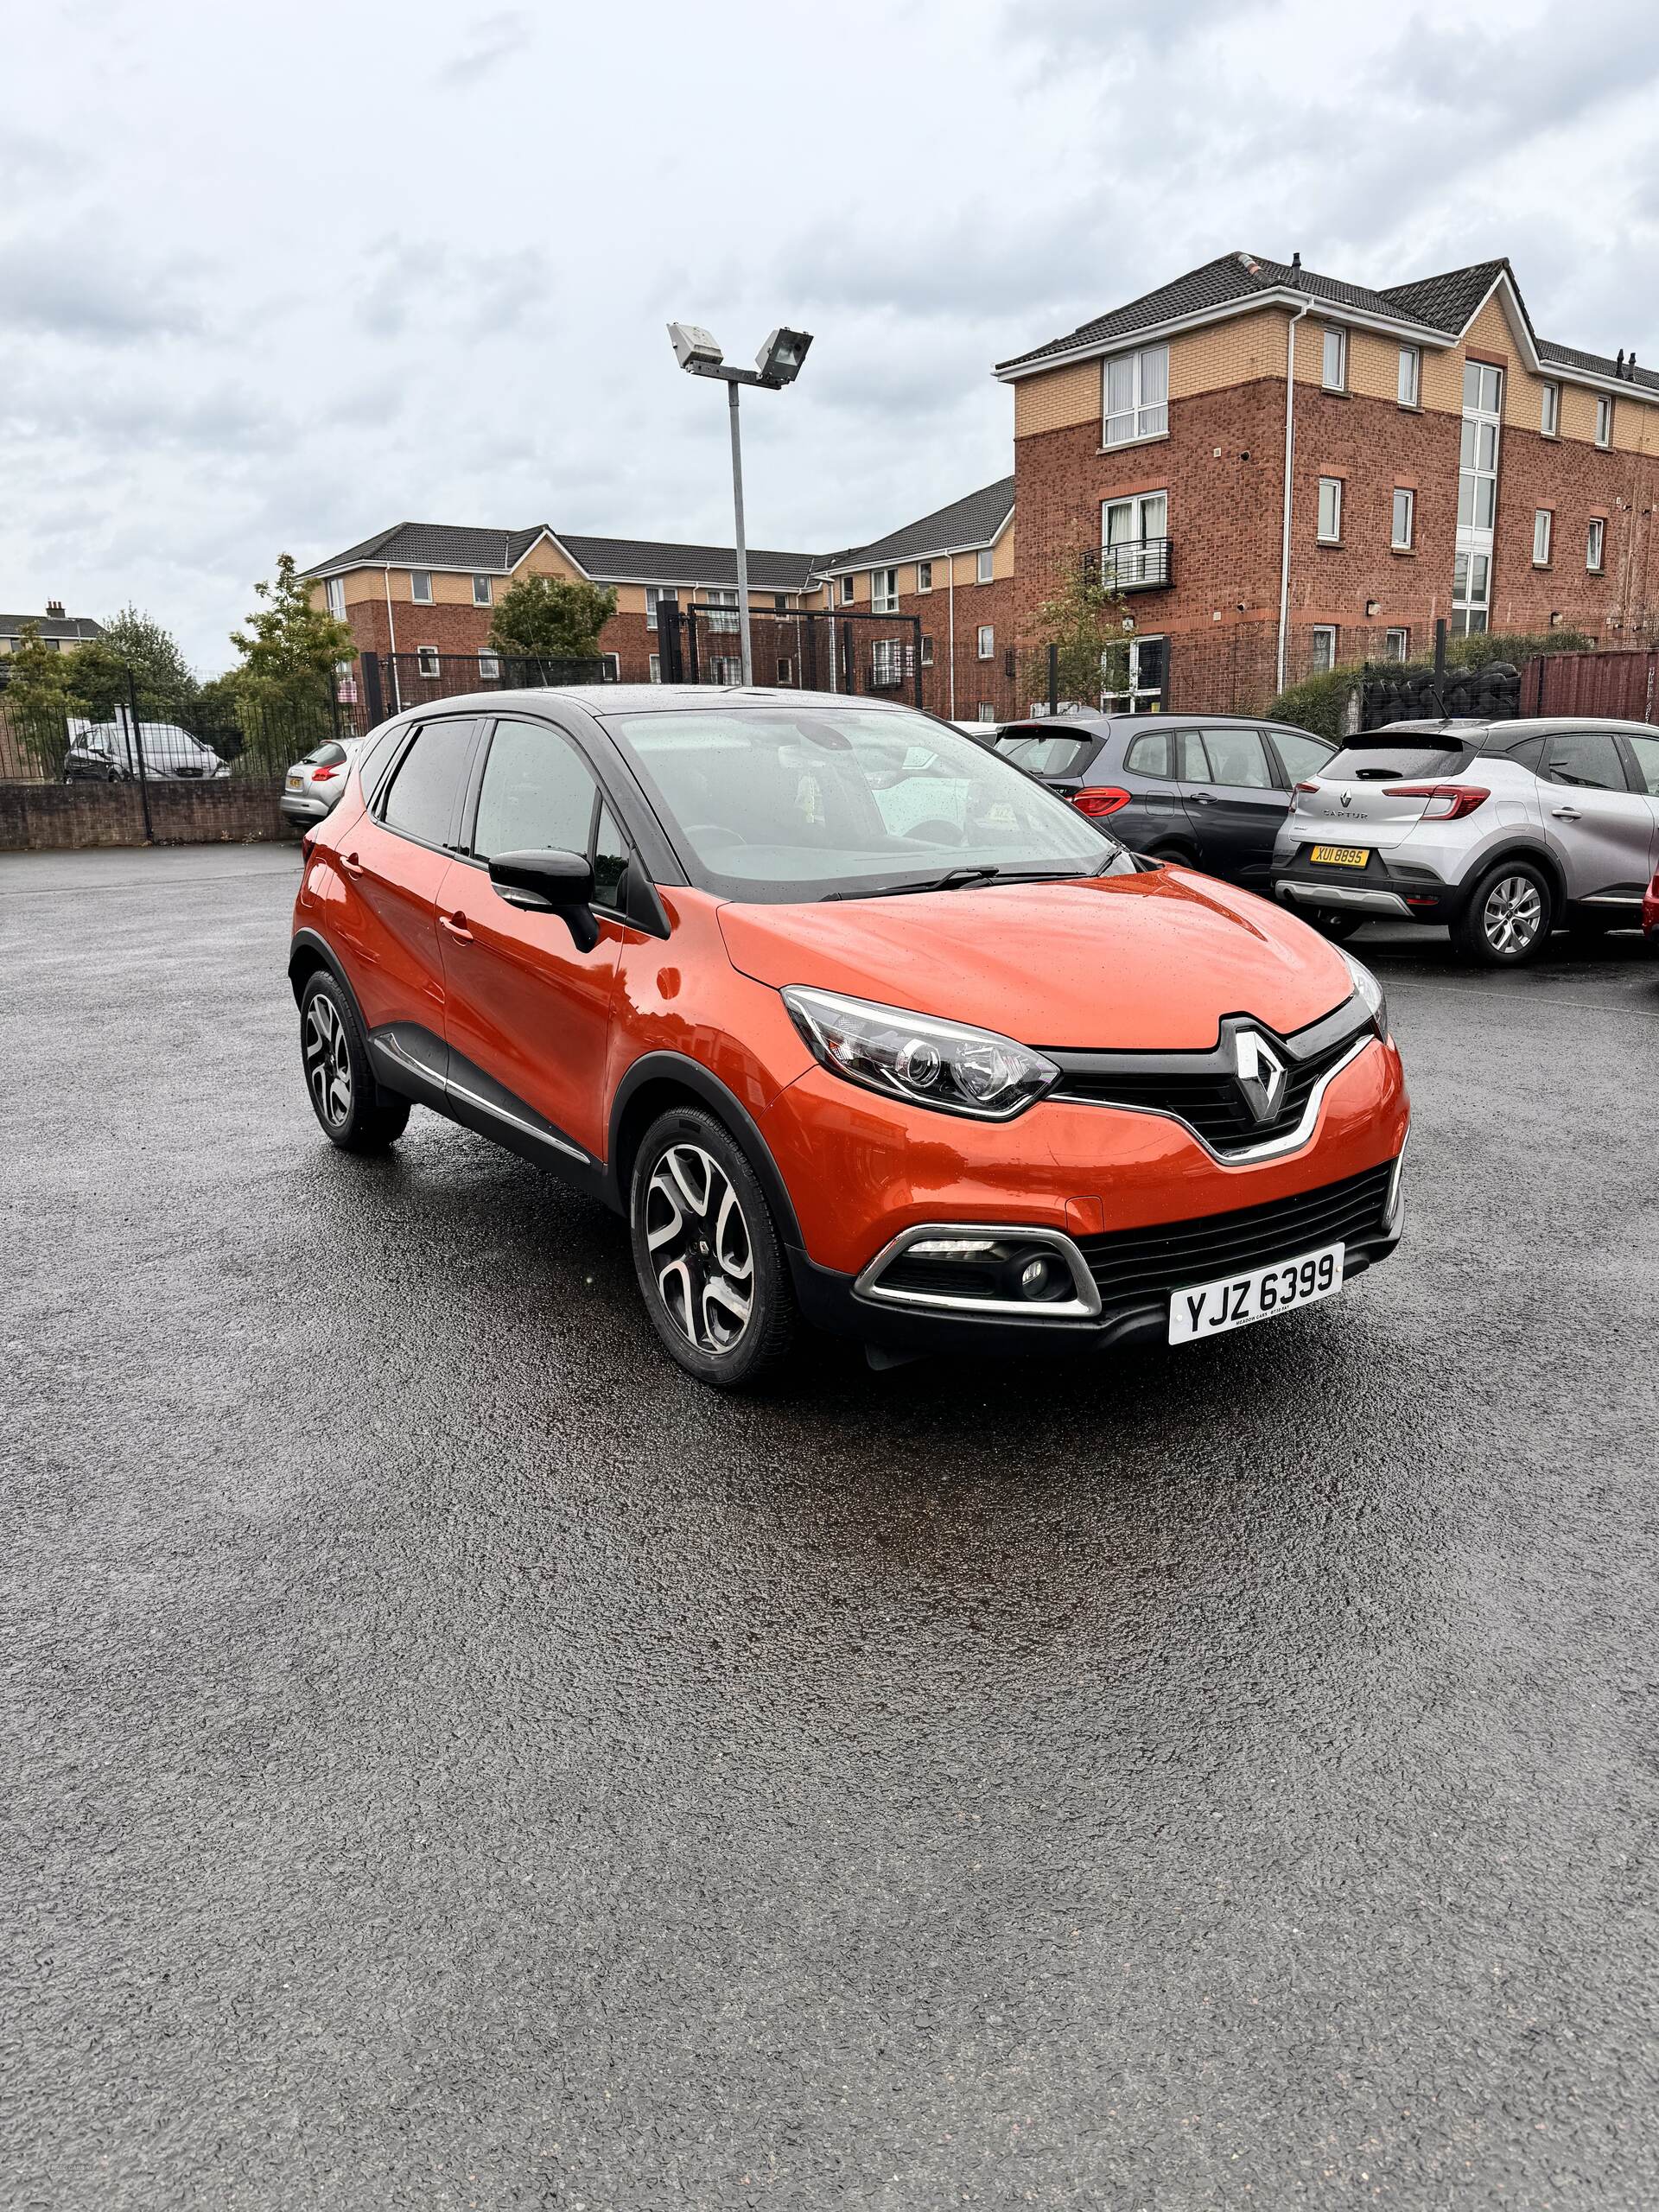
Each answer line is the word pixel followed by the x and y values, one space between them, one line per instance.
pixel 1444 461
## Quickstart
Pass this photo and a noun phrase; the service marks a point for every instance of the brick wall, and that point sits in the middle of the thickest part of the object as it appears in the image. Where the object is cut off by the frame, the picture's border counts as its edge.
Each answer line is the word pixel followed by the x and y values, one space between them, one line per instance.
pixel 1576 482
pixel 47 818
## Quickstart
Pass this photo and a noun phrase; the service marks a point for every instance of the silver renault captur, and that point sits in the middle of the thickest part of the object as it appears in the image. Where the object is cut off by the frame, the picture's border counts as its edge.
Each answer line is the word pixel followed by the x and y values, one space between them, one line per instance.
pixel 1503 830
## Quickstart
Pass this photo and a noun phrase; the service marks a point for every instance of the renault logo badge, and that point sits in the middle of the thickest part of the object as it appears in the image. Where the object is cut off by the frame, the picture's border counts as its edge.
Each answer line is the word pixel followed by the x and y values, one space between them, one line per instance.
pixel 1260 1074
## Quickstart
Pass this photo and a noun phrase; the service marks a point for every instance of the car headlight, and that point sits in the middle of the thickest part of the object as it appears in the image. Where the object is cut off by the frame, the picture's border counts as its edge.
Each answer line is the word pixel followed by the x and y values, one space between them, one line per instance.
pixel 1371 990
pixel 917 1056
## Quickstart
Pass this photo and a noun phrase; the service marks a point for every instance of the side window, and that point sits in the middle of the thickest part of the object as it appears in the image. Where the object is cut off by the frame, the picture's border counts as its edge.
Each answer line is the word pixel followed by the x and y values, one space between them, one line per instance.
pixel 610 858
pixel 1302 756
pixel 1148 754
pixel 1190 764
pixel 1587 757
pixel 538 795
pixel 378 754
pixel 1646 750
pixel 1239 758
pixel 426 790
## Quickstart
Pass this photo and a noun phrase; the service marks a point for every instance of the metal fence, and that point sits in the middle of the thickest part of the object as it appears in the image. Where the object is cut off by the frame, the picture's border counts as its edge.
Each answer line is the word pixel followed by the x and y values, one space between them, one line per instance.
pixel 379 685
pixel 1622 684
pixel 807 649
pixel 169 740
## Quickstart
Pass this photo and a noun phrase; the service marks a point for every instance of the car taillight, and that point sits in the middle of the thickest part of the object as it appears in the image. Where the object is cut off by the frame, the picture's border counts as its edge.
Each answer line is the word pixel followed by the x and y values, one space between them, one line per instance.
pixel 1307 787
pixel 322 775
pixel 1446 802
pixel 1104 798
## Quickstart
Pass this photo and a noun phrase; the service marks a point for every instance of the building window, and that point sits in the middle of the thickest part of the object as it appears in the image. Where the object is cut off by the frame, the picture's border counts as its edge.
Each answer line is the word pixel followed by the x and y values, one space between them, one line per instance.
pixel 610 665
pixel 724 624
pixel 489 668
pixel 846 591
pixel 656 666
pixel 483 591
pixel 780 602
pixel 1471 584
pixel 1543 523
pixel 420 586
pixel 888 661
pixel 986 711
pixel 335 591
pixel 986 641
pixel 927 650
pixel 1335 375
pixel 1330 509
pixel 1137 396
pixel 1396 644
pixel 1143 691
pixel 1549 411
pixel 1594 545
pixel 785 672
pixel 657 595
pixel 923 576
pixel 884 591
pixel 1604 421
pixel 1324 648
pixel 425 661
pixel 987 565
pixel 1411 375
pixel 722 670
pixel 1405 519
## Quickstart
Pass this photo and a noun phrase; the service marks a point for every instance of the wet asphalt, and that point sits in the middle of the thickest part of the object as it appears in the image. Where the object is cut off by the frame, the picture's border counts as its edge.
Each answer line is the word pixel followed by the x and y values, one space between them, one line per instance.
pixel 452 1760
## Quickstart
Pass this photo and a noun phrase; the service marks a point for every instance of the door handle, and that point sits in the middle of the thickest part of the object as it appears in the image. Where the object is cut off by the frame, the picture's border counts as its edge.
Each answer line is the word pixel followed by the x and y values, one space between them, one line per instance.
pixel 1199 798
pixel 1567 814
pixel 456 925
pixel 351 863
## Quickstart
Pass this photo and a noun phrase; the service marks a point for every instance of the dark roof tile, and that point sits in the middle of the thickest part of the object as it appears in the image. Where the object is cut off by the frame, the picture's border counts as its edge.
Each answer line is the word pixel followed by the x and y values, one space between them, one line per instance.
pixel 964 523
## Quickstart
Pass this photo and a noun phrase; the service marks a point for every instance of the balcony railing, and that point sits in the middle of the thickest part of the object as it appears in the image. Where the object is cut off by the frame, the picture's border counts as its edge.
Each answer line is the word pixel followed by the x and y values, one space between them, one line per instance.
pixel 1133 564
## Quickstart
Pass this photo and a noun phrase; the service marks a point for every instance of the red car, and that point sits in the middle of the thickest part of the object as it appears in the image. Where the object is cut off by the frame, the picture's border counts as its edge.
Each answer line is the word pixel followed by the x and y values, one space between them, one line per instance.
pixel 855 1024
pixel 1650 909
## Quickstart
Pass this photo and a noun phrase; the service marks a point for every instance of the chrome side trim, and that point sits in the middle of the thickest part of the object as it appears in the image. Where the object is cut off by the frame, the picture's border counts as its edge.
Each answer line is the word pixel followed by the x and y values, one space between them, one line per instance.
pixel 515 1121
pixel 1344 894
pixel 1612 899
pixel 1271 1147
pixel 1392 1212
pixel 1084 1306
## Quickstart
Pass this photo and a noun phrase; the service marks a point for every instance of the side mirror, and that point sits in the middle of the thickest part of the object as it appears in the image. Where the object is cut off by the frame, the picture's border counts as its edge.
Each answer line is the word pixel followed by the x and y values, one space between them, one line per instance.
pixel 550 883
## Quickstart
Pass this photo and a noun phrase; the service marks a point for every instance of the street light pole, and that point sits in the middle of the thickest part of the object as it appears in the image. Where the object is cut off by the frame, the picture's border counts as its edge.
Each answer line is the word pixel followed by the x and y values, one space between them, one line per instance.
pixel 745 646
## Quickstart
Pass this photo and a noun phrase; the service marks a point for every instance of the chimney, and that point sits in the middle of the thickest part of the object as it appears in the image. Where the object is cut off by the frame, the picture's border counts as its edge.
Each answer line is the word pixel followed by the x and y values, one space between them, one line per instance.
pixel 1629 366
pixel 54 610
pixel 1618 366
pixel 1296 263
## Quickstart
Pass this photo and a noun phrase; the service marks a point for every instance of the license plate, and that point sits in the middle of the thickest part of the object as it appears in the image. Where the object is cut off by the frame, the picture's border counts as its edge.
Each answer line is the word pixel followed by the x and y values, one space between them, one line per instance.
pixel 294 782
pixel 1210 1309
pixel 1341 855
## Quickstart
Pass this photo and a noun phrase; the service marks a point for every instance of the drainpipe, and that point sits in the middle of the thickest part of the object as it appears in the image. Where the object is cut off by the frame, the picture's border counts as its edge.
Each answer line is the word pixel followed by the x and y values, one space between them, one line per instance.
pixel 391 637
pixel 1290 447
pixel 950 575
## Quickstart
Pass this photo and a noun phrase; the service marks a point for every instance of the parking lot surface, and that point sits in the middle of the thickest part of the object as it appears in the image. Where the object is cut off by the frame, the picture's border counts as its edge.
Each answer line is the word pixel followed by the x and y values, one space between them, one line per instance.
pixel 452 1759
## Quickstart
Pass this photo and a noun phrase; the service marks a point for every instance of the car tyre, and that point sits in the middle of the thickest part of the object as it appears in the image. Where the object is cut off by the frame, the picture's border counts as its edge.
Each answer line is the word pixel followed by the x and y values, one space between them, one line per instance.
pixel 707 1254
pixel 1509 917
pixel 352 1109
pixel 1338 927
pixel 1174 856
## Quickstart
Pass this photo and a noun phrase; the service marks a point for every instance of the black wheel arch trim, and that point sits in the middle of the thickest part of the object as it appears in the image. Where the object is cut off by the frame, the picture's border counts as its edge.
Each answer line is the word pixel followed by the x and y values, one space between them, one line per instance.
pixel 307 942
pixel 725 1105
pixel 1520 848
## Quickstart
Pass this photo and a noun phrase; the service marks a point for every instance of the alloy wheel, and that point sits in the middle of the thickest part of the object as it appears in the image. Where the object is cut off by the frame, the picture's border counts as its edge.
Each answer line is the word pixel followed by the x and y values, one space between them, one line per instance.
pixel 327 1061
pixel 701 1253
pixel 1513 914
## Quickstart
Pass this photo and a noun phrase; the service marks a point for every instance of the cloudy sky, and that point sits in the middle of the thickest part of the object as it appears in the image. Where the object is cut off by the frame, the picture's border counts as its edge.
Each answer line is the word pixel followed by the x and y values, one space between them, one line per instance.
pixel 271 279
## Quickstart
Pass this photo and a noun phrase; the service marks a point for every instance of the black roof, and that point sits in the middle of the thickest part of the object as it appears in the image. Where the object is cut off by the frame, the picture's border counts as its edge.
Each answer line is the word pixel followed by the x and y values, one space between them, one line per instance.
pixel 61 626
pixel 436 545
pixel 498 552
pixel 965 524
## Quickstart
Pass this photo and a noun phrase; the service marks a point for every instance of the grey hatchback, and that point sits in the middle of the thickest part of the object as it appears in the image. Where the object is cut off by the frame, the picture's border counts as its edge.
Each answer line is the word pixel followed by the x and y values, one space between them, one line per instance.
pixel 1208 789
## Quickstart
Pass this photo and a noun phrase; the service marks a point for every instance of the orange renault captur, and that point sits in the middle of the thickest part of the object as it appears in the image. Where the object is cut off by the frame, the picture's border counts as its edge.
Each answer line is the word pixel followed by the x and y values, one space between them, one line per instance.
pixel 854 1023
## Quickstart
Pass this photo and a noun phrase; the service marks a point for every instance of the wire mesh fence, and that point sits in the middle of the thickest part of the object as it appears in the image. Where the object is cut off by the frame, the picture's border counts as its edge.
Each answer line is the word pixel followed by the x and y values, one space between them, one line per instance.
pixel 173 740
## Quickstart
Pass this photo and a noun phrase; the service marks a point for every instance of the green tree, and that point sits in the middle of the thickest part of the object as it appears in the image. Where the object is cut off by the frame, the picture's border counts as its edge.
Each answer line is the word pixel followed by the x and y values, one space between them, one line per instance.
pixel 289 648
pixel 37 698
pixel 545 618
pixel 97 671
pixel 1082 617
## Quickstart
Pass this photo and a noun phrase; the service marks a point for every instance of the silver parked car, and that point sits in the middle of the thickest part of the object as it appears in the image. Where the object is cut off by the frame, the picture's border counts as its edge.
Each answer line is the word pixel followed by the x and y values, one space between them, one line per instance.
pixel 104 753
pixel 1503 830
pixel 312 786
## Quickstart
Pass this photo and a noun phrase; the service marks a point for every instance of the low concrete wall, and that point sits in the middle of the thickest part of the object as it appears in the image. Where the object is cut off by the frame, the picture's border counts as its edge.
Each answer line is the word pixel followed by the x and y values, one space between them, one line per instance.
pixel 46 817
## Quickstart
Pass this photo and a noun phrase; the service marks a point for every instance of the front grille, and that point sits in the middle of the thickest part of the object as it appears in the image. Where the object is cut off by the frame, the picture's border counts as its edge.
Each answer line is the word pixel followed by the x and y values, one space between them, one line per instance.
pixel 1209 1101
pixel 1133 1267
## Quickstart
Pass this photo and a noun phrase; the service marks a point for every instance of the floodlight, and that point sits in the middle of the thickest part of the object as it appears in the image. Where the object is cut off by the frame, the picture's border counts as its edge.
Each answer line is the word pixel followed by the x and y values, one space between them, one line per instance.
pixel 694 347
pixel 779 359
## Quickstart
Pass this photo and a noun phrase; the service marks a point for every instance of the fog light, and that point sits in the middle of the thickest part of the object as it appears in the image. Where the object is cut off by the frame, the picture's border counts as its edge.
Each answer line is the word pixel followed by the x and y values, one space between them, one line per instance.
pixel 1033 1278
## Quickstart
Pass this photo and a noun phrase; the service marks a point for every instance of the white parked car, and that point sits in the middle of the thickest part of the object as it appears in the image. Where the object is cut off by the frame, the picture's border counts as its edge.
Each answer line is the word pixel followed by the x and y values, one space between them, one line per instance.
pixel 104 753
pixel 312 786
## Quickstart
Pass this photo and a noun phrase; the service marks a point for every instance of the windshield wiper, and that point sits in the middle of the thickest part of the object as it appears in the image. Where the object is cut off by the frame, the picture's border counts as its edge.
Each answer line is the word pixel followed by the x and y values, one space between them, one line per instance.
pixel 954 879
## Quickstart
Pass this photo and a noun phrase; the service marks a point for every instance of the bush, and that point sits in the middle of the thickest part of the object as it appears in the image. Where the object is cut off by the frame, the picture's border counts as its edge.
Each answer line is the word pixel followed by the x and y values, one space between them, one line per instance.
pixel 1316 703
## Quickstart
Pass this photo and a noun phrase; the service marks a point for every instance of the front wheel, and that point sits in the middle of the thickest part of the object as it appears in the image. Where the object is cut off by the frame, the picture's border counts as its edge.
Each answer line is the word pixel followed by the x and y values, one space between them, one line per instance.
pixel 1508 918
pixel 354 1112
pixel 706 1251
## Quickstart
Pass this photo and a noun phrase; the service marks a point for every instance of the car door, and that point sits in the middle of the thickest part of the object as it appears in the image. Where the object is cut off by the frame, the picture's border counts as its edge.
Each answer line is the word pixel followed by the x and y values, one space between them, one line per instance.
pixel 393 859
pixel 1155 819
pixel 1230 792
pixel 1300 755
pixel 529 1014
pixel 1642 757
pixel 1600 831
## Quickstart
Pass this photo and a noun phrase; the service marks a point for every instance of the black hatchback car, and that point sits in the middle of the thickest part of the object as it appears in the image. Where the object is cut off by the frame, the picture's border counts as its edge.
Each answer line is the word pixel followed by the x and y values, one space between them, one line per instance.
pixel 1208 789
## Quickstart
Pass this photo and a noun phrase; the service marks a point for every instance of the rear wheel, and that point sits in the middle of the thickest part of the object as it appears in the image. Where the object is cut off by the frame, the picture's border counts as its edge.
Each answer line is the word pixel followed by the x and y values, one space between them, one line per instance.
pixel 354 1112
pixel 1508 918
pixel 1174 856
pixel 706 1251
pixel 1328 922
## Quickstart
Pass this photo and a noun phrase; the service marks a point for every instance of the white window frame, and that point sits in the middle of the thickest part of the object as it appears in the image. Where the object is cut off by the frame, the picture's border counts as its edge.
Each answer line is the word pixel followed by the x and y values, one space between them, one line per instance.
pixel 1549 408
pixel 1328 631
pixel 1410 386
pixel 786 672
pixel 416 578
pixel 655 666
pixel 1333 536
pixel 923 576
pixel 1595 545
pixel 723 668
pixel 985 570
pixel 423 655
pixel 888 661
pixel 334 593
pixel 657 595
pixel 1141 416
pixel 985 644
pixel 1399 544
pixel 1404 638
pixel 1605 421
pixel 986 711
pixel 483 591
pixel 847 591
pixel 611 667
pixel 489 666
pixel 1125 562
pixel 1543 532
pixel 1334 350
pixel 723 597
pixel 927 649
pixel 884 591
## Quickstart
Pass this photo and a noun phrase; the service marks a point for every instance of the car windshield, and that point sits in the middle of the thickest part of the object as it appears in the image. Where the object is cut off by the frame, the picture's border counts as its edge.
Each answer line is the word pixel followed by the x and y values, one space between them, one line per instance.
pixel 1039 752
pixel 782 804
